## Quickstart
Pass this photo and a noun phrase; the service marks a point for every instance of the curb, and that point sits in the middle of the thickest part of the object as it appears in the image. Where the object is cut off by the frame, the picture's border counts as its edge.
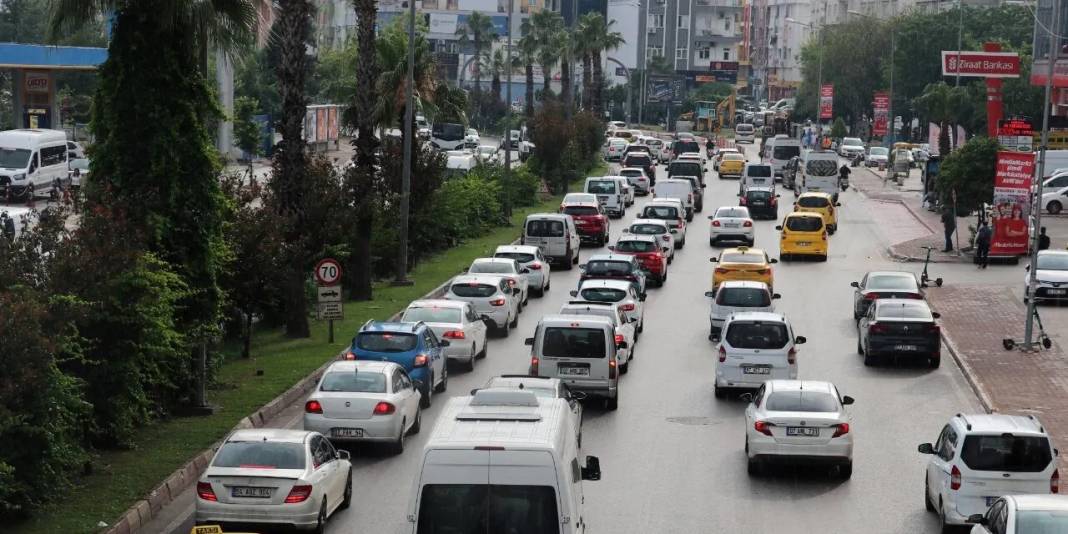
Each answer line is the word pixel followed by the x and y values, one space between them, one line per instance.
pixel 969 375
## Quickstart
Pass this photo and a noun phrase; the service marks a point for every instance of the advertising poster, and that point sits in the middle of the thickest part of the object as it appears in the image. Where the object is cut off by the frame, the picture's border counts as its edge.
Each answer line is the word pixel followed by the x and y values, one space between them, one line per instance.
pixel 881 106
pixel 320 125
pixel 331 133
pixel 663 89
pixel 1012 203
pixel 826 101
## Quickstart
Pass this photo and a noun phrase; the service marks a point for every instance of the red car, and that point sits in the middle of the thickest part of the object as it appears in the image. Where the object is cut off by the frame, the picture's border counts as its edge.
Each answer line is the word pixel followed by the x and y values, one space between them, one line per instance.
pixel 590 221
pixel 648 251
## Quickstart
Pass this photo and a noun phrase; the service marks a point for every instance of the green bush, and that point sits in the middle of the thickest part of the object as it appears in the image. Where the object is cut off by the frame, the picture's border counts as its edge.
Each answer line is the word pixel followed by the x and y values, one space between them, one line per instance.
pixel 969 172
pixel 467 207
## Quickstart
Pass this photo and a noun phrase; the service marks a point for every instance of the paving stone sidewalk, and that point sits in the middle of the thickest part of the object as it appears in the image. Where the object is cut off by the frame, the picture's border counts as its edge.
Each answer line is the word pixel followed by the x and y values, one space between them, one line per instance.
pixel 975 319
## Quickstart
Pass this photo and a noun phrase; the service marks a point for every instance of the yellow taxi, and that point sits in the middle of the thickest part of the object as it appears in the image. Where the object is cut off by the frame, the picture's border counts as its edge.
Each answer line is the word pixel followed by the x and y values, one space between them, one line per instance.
pixel 803 234
pixel 822 203
pixel 743 263
pixel 731 165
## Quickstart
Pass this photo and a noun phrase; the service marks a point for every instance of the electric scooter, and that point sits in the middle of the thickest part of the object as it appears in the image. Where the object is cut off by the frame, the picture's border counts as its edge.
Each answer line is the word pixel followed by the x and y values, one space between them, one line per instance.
pixel 924 278
pixel 1043 339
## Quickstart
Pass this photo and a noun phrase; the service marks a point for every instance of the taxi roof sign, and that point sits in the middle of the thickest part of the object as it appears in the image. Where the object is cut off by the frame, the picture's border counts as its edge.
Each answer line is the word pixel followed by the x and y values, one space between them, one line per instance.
pixel 207 529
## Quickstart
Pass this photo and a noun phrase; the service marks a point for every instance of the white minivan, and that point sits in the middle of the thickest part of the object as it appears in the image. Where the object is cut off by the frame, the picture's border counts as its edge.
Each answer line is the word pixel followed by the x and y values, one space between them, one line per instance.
pixel 555 235
pixel 744 133
pixel 817 171
pixel 784 148
pixel 31 160
pixel 580 350
pixel 502 460
pixel 610 194
pixel 678 189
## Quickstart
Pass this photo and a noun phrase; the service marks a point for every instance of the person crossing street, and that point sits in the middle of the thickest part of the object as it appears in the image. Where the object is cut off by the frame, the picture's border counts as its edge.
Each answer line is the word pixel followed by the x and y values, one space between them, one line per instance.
pixel 982 245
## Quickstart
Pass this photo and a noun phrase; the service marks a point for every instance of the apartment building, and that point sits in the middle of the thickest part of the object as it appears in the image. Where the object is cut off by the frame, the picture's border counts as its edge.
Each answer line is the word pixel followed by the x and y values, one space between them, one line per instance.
pixel 692 34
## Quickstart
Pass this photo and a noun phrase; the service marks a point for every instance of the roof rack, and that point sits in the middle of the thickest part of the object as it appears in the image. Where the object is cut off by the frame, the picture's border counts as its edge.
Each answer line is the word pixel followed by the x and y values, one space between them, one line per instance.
pixel 967 425
pixel 1035 419
pixel 587 302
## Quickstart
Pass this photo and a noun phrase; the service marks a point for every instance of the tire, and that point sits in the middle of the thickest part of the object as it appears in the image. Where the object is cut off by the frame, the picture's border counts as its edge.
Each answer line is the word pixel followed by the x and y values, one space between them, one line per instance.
pixel 347 500
pixel 567 263
pixel 869 359
pixel 612 404
pixel 515 321
pixel 860 349
pixel 623 369
pixel 504 331
pixel 681 243
pixel 845 471
pixel 320 520
pixel 641 324
pixel 823 257
pixel 397 447
pixel 470 365
pixel 444 385
pixel 944 528
pixel 719 392
pixel 753 467
pixel 575 260
pixel 660 282
pixel 418 425
pixel 485 350
pixel 711 242
pixel 751 242
pixel 934 361
pixel 927 495
pixel 1054 207
pixel 428 396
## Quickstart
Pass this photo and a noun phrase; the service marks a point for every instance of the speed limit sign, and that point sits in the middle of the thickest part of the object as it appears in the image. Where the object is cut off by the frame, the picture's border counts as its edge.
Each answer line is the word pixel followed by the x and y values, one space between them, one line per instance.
pixel 328 272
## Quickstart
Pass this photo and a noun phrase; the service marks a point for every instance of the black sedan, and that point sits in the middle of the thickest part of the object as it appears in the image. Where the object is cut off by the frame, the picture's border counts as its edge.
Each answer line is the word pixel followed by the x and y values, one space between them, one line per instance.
pixel 763 202
pixel 900 328
pixel 884 285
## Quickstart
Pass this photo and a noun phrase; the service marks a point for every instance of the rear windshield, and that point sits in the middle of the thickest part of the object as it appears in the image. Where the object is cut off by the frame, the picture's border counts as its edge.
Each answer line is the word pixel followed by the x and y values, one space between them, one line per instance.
pixel 560 342
pixel 757 335
pixel 733 157
pixel 655 143
pixel 804 224
pixel 431 315
pixel 385 341
pixel 744 128
pixel 478 508
pixel 797 401
pixel 732 212
pixel 660 212
pixel 742 257
pixel 905 311
pixel 821 167
pixel 891 282
pixel 361 382
pixel 608 267
pixel 261 454
pixel 756 194
pixel 604 187
pixel 686 146
pixel 759 171
pixel 492 267
pixel 852 141
pixel 812 202
pixel 580 210
pixel 543 228
pixel 647 229
pixel 747 297
pixel 638 160
pixel 631 172
pixel 1042 521
pixel 1026 454
pixel 785 152
pixel 635 246
pixel 521 257
pixel 603 294
pixel 473 290
pixel 684 168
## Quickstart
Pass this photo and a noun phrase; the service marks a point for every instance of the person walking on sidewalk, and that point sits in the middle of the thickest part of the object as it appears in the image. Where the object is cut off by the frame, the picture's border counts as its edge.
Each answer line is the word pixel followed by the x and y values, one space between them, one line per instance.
pixel 949 222
pixel 1043 239
pixel 982 245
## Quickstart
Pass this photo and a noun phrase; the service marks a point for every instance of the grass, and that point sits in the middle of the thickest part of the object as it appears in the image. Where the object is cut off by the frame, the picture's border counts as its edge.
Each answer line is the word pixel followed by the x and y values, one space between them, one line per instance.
pixel 123 477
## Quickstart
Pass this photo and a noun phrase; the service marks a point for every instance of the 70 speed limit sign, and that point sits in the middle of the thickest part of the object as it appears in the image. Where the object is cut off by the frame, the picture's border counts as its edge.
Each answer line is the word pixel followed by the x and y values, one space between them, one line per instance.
pixel 328 272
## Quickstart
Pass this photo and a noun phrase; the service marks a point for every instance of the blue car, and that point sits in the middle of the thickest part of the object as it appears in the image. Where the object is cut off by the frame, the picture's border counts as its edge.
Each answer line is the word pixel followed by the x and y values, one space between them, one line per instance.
pixel 410 345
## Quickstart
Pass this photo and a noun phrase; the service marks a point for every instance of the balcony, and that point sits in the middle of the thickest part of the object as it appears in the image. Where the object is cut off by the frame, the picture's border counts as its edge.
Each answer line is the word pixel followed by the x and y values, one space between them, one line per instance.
pixel 716 35
pixel 720 3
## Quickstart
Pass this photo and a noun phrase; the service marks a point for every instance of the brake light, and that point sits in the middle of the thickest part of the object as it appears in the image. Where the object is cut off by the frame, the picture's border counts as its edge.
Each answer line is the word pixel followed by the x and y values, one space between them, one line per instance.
pixel 741 201
pixel 420 360
pixel 715 223
pixel 791 356
pixel 761 271
pixel 747 224
pixel 916 296
pixel 876 328
pixel 534 366
pixel 627 307
pixel 722 270
pixel 313 406
pixel 666 237
pixel 763 427
pixel 722 354
pixel 536 266
pixel 934 329
pixel 1055 482
pixel 497 302
pixel 619 339
pixel 774 201
pixel 349 355
pixel 455 334
pixel 871 296
pixel 954 479
pixel 612 367
pixel 205 492
pixel 830 211
pixel 840 429
pixel 298 494
pixel 384 408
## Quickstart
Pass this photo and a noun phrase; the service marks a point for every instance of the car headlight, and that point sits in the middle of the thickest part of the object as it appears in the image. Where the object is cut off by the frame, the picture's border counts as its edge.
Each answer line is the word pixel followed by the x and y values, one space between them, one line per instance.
pixel 20 176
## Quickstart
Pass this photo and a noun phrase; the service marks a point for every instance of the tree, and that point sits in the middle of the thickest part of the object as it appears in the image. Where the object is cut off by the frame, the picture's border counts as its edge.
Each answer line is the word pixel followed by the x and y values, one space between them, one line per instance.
pixel 392 61
pixel 602 39
pixel 946 106
pixel 547 26
pixel 497 66
pixel 585 43
pixel 361 179
pixel 527 55
pixel 479 32
pixel 838 128
pixel 335 71
pixel 566 43
pixel 969 173
pixel 246 129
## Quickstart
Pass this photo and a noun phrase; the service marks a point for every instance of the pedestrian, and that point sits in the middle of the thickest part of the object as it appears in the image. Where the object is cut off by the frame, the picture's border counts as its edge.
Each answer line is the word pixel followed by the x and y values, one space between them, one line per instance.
pixel 1043 239
pixel 7 225
pixel 949 222
pixel 982 245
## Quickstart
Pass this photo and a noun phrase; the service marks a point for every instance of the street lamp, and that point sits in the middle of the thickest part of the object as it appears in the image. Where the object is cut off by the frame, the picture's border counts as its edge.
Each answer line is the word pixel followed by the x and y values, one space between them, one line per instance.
pixel 401 276
pixel 508 120
pixel 893 49
pixel 819 75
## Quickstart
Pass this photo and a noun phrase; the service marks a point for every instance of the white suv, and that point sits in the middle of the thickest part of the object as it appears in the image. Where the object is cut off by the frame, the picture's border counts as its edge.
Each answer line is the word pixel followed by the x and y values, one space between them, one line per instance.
pixel 754 347
pixel 734 296
pixel 979 458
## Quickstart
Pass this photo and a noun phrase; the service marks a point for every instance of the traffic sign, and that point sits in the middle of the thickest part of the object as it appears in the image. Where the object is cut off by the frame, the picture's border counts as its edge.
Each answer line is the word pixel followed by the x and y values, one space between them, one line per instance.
pixel 332 311
pixel 328 272
pixel 329 294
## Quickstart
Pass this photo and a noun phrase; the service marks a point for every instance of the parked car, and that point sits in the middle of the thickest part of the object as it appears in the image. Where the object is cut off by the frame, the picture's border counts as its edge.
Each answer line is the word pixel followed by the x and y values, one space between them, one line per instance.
pixel 1055 201
pixel 877 155
pixel 1051 276
pixel 900 328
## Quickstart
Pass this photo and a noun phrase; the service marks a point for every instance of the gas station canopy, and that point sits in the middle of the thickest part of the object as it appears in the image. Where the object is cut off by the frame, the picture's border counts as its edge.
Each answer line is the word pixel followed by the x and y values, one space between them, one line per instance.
pixel 29 56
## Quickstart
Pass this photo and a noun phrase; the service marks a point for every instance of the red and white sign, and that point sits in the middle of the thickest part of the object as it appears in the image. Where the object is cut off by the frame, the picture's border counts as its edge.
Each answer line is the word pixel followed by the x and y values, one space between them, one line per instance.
pixel 1012 203
pixel 881 106
pixel 36 82
pixel 328 272
pixel 826 101
pixel 981 64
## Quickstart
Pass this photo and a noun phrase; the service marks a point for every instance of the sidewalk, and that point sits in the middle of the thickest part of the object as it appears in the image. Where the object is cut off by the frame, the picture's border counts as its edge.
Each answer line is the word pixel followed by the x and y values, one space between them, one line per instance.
pixel 975 319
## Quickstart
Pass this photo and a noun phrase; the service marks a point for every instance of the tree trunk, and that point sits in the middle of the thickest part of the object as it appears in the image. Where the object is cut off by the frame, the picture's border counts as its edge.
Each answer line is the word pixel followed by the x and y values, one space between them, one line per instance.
pixel 495 85
pixel 587 81
pixel 246 346
pixel 546 81
pixel 597 98
pixel 528 110
pixel 943 139
pixel 565 86
pixel 362 179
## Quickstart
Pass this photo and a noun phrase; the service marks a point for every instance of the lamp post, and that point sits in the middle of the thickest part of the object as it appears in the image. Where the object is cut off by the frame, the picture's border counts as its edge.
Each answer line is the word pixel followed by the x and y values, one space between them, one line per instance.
pixel 508 115
pixel 893 49
pixel 960 35
pixel 401 277
pixel 819 70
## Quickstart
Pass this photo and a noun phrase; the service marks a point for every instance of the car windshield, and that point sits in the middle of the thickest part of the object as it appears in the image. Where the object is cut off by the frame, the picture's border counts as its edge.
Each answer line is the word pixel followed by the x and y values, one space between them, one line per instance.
pixel 1005 452
pixel 492 267
pixel 852 142
pixel 638 160
pixel 545 228
pixel 473 289
pixel 741 257
pixel 603 294
pixel 757 335
pixel 479 508
pixel 561 342
pixel 580 210
pixel 14 158
pixel 743 297
pixel 1053 262
pixel 804 224
pixel 759 171
pixel 432 314
pixel 603 187
pixel 631 172
pixel 448 132
pixel 385 341
pixel 813 202
pixel 660 212
pixel 885 282
pixel 612 268
pixel 1042 521
pixel 686 146
pixel 734 157
pixel 260 454
pixel 79 163
pixel 798 401
pixel 354 382
pixel 635 245
pixel 757 194
pixel 731 213
pixel 879 151
pixel 785 151
pixel 521 257
pixel 821 167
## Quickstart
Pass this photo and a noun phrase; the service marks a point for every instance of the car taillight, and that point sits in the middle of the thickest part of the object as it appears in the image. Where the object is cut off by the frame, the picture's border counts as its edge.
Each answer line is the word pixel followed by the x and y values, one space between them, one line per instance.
pixel 205 492
pixel 536 266
pixel 666 237
pixel 915 296
pixel 497 302
pixel 934 329
pixel 716 224
pixel 791 356
pixel 774 201
pixel 298 494
pixel 534 366
pixel 349 355
pixel 455 334
pixel 840 429
pixel 741 201
pixel 722 354
pixel 628 307
pixel 722 270
pixel 747 224
pixel 420 360
pixel 384 408
pixel 763 427
pixel 954 479
pixel 761 271
pixel 619 339
pixel 612 367
pixel 871 296
pixel 313 406
pixel 876 328
pixel 1055 482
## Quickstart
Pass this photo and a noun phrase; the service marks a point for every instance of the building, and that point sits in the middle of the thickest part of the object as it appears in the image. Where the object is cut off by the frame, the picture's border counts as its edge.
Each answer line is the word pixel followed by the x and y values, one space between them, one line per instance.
pixel 693 34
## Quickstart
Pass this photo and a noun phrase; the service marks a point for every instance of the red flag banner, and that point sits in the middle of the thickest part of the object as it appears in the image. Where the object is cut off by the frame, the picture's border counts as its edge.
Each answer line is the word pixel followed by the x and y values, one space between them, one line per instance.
pixel 826 101
pixel 1012 203
pixel 881 106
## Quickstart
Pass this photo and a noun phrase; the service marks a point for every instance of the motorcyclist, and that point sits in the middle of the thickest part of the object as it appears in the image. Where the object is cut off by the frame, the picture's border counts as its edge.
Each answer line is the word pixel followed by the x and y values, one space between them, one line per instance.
pixel 843 176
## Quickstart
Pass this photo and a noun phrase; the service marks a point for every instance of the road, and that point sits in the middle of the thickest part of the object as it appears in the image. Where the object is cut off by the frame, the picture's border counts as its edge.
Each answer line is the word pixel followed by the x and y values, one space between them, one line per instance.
pixel 672 454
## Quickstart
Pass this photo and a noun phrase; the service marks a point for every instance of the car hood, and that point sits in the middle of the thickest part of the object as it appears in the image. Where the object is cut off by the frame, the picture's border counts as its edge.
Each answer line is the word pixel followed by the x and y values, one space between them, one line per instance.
pixel 1045 275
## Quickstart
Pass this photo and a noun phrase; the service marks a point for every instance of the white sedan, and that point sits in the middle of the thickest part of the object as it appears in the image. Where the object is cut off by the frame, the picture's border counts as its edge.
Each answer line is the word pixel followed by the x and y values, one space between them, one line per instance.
pixel 456 321
pixel 621 292
pixel 798 420
pixel 487 154
pixel 1055 201
pixel 531 259
pixel 731 223
pixel 274 478
pixel 510 270
pixel 471 138
pixel 1051 276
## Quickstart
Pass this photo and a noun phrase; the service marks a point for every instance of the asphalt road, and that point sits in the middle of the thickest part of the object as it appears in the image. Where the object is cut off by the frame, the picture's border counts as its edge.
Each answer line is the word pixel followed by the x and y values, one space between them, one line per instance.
pixel 672 454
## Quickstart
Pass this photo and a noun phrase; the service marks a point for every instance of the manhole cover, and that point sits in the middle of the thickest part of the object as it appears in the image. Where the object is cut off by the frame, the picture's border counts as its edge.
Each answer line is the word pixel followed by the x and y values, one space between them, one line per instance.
pixel 693 421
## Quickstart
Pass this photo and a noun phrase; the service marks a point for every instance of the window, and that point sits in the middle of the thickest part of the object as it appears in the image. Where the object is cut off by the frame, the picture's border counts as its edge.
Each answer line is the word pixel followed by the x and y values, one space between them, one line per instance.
pixel 473 289
pixel 726 23
pixel 263 454
pixel 804 224
pixel 406 382
pixel 654 51
pixel 521 257
pixel 743 297
pixel 429 340
pixel 680 53
pixel 684 22
pixel 603 294
pixel 398 384
pixel 581 210
pixel 353 382
pixel 813 202
pixel 1026 454
pixel 704 53
pixel 656 21
pixel 757 335
pixel 635 246
pixel 14 158
pixel 560 342
pixel 1041 521
pixel 758 171
pixel 608 268
pixel 601 187
pixel 449 508
pixel 798 401
pixel 385 341
pixel 787 152
pixel 726 54
pixel 545 228
pixel 431 314
pixel 648 229
pixel 493 267
pixel 53 155
pixel 322 452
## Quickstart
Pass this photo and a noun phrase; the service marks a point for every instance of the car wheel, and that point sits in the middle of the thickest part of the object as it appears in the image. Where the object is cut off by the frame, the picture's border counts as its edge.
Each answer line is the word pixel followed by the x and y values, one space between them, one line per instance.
pixel 660 282
pixel 418 425
pixel 484 351
pixel 753 467
pixel 934 361
pixel 641 324
pixel 612 403
pixel 428 394
pixel 845 471
pixel 1054 207
pixel 515 321
pixel 860 349
pixel 927 495
pixel 751 242
pixel 681 244
pixel 623 369
pixel 869 358
pixel 944 527
pixel 320 520
pixel 347 499
pixel 575 260
pixel 671 259
pixel 567 263
pixel 444 385
pixel 719 392
pixel 398 444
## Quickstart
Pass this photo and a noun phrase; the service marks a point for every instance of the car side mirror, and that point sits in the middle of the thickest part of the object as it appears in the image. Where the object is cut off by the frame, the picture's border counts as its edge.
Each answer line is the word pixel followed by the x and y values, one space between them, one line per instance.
pixel 838 204
pixel 464 270
pixel 418 384
pixel 443 342
pixel 577 395
pixel 573 293
pixel 610 247
pixel 626 230
pixel 712 260
pixel 516 291
pixel 925 448
pixel 592 471
pixel 711 217
pixel 977 519
pixel 847 400
pixel 936 315
pixel 800 340
pixel 855 284
pixel 1027 268
pixel 524 271
pixel 674 231
pixel 344 455
pixel 641 297
pixel 582 267
pixel 664 249
pixel 473 391
pixel 778 227
pixel 633 319
pixel 773 260
pixel 529 342
pixel 710 294
pixel 776 296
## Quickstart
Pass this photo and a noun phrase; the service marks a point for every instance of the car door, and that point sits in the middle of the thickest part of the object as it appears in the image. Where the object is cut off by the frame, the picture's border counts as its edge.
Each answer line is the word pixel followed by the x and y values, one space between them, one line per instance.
pixel 398 395
pixel 857 294
pixel 938 467
pixel 410 395
pixel 323 468
pixel 626 327
pixel 437 361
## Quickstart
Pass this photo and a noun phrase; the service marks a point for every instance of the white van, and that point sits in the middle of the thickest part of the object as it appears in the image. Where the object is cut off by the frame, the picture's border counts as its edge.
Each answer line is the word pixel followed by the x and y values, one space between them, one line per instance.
pixel 744 133
pixel 818 171
pixel 679 189
pixel 502 460
pixel 31 160
pixel 459 163
pixel 609 193
pixel 756 175
pixel 782 150
pixel 581 351
pixel 555 235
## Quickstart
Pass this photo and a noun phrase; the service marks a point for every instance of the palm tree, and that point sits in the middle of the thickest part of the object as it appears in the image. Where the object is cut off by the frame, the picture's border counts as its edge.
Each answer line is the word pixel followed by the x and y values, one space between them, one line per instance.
pixel 392 55
pixel 547 26
pixel 566 42
pixel 605 40
pixel 944 105
pixel 479 32
pixel 585 47
pixel 361 177
pixel 527 55
pixel 496 64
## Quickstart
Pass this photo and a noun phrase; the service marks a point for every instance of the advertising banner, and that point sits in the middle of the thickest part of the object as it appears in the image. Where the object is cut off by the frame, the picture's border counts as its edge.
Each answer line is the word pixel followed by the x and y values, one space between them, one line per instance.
pixel 1012 203
pixel 981 64
pixel 881 106
pixel 443 23
pixel 826 101
pixel 1016 134
pixel 664 89
pixel 320 125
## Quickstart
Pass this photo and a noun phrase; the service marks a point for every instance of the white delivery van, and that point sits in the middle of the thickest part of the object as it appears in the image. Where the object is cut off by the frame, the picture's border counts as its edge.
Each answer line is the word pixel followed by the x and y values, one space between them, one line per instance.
pixel 31 160
pixel 785 147
pixel 459 163
pixel 555 235
pixel 818 171
pixel 756 175
pixel 744 133
pixel 502 460
pixel 679 189
pixel 609 193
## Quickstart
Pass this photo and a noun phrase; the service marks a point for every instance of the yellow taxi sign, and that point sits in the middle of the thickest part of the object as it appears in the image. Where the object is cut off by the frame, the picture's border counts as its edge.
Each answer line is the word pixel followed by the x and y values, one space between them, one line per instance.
pixel 207 529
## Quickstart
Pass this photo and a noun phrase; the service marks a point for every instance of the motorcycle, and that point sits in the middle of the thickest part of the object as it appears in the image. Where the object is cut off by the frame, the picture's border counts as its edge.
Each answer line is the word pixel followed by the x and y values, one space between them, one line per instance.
pixel 857 160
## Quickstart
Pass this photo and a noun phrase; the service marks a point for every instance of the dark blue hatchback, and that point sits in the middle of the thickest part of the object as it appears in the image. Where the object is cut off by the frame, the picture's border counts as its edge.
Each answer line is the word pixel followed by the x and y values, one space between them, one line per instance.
pixel 410 345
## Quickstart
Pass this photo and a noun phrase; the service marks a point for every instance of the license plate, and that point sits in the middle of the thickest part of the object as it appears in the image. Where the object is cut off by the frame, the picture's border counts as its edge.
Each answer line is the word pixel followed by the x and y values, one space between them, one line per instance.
pixel 731 225
pixel 255 493
pixel 580 221
pixel 757 203
pixel 752 370
pixel 906 348
pixel 346 432
pixel 1057 291
pixel 803 243
pixel 806 431
pixel 574 371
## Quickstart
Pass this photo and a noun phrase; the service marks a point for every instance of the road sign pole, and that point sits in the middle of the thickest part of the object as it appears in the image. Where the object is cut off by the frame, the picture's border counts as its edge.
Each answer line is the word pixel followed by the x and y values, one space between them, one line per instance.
pixel 330 329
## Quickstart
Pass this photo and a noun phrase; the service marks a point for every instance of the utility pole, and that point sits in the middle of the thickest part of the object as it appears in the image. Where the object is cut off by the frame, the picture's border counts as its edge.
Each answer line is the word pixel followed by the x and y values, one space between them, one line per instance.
pixel 508 120
pixel 401 277
pixel 960 35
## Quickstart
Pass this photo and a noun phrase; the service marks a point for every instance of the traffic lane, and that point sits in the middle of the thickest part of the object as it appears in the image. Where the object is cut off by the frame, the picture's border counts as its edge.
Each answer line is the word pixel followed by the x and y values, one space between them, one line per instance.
pixel 383 483
pixel 676 458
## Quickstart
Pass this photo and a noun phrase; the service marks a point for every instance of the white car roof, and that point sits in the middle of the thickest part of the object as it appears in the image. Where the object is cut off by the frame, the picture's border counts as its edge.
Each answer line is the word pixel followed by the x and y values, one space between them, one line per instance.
pixel 1040 502
pixel 608 284
pixel 584 321
pixel 524 249
pixel 998 423
pixel 437 303
pixel 349 366
pixel 635 169
pixel 800 385
pixel 284 435
pixel 552 216
pixel 661 201
pixel 658 222
pixel 481 278
pixel 770 317
pixel 507 261
pixel 738 284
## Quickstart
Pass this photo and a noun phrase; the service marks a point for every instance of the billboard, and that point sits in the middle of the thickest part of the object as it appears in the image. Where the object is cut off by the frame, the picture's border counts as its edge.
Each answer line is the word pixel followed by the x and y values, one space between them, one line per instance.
pixel 881 106
pixel 664 89
pixel 826 101
pixel 1012 203
pixel 443 23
